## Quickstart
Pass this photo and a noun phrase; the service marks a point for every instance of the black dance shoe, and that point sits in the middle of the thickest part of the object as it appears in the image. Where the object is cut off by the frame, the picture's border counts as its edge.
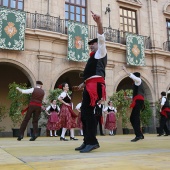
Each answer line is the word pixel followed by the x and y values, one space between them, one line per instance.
pixel 64 139
pixel 166 135
pixel 73 138
pixel 160 135
pixel 19 138
pixel 80 147
pixel 102 134
pixel 33 138
pixel 89 148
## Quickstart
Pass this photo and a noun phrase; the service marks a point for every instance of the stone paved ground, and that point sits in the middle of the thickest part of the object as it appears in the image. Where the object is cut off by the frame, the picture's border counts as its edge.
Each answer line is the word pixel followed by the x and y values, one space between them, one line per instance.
pixel 115 153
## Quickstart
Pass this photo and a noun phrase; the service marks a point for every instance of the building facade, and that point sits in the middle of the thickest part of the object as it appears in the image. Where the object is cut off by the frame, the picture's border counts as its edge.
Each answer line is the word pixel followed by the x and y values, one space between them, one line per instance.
pixel 45 54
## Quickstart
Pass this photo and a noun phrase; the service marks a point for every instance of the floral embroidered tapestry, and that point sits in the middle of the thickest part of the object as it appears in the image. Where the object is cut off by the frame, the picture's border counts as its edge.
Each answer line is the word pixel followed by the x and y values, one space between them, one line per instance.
pixel 78 42
pixel 135 51
pixel 12 29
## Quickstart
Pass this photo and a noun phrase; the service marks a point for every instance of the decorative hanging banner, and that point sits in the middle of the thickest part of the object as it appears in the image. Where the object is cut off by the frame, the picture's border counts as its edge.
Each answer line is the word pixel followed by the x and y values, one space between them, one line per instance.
pixel 78 42
pixel 135 50
pixel 12 29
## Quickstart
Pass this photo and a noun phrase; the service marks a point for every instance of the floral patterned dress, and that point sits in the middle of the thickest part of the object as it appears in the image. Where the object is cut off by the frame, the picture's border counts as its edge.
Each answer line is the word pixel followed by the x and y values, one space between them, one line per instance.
pixel 67 116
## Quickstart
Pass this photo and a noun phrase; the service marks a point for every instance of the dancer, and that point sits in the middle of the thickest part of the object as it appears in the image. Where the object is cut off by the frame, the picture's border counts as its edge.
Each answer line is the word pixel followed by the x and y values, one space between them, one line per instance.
pixel 53 123
pixel 67 116
pixel 98 111
pixel 94 87
pixel 165 115
pixel 111 118
pixel 79 122
pixel 34 109
pixel 137 104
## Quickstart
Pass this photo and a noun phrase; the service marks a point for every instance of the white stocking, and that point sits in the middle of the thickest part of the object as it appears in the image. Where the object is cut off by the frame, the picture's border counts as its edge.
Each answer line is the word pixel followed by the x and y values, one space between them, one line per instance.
pixel 72 133
pixel 63 132
pixel 81 132
pixel 55 133
pixel 51 133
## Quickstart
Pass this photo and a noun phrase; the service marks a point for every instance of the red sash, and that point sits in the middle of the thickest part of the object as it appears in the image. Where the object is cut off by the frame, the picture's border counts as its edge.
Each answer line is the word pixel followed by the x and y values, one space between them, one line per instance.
pixel 137 97
pixel 91 87
pixel 163 112
pixel 31 103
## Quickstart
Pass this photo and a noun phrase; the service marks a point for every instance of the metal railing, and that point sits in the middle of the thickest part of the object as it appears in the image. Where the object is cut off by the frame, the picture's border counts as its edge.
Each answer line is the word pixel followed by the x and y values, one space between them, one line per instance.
pixel 166 46
pixel 55 24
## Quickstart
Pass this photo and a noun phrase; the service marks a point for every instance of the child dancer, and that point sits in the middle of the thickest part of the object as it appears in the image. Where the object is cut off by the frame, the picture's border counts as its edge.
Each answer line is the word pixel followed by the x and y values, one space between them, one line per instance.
pixel 111 118
pixel 53 119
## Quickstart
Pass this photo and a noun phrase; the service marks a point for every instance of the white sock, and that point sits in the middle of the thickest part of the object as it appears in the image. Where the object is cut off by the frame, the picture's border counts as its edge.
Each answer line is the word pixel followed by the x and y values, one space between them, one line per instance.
pixel 81 132
pixel 51 133
pixel 72 133
pixel 55 133
pixel 63 132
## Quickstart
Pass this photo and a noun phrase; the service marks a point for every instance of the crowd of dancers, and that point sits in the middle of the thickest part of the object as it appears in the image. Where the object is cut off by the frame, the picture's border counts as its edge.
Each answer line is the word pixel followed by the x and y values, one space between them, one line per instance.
pixel 65 118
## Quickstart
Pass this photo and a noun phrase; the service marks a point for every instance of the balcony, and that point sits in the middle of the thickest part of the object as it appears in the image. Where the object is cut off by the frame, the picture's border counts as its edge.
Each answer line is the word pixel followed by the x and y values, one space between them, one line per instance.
pixel 55 24
pixel 166 46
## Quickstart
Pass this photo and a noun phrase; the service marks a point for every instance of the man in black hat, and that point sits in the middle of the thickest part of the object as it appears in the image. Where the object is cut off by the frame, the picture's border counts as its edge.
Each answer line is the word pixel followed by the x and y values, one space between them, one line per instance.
pixel 33 110
pixel 94 87
pixel 137 104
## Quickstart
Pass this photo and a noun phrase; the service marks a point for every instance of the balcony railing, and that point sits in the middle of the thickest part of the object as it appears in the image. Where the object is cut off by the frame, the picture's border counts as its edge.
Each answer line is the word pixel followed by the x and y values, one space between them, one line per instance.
pixel 166 46
pixel 55 24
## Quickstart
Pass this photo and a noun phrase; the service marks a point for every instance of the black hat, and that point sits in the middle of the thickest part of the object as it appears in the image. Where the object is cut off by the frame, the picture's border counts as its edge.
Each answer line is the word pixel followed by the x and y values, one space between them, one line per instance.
pixel 39 82
pixel 137 74
pixel 93 41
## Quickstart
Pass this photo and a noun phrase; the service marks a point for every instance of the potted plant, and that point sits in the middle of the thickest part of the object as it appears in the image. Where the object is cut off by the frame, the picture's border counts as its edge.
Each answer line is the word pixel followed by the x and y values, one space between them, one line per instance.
pixel 18 103
pixel 145 116
pixel 2 116
pixel 122 104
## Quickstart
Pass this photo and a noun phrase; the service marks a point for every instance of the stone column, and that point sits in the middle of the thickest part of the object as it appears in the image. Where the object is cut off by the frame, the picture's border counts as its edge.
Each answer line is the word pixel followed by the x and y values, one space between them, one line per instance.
pixel 44 71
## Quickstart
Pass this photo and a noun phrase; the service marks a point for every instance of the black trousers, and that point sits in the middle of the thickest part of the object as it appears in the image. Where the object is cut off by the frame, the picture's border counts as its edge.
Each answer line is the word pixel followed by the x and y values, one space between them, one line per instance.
pixel 88 118
pixel 98 121
pixel 163 126
pixel 135 117
pixel 35 112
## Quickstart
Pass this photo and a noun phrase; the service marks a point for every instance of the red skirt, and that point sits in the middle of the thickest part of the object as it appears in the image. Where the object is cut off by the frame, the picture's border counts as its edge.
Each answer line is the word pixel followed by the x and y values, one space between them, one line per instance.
pixel 79 122
pixel 110 121
pixel 67 117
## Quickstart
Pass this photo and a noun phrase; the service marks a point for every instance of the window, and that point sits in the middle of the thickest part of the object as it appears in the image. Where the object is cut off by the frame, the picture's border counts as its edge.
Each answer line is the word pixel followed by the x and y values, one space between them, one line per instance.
pixel 15 4
pixel 168 29
pixel 128 21
pixel 75 10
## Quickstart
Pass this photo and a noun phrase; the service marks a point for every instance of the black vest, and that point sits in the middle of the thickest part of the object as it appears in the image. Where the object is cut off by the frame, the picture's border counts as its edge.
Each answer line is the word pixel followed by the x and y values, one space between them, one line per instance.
pixel 52 109
pixel 95 67
pixel 166 104
pixel 67 99
pixel 138 90
pixel 98 110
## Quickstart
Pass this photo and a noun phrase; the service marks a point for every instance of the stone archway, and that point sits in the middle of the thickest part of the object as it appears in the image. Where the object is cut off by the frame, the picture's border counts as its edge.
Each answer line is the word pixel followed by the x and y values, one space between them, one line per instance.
pixel 73 78
pixel 9 73
pixel 126 83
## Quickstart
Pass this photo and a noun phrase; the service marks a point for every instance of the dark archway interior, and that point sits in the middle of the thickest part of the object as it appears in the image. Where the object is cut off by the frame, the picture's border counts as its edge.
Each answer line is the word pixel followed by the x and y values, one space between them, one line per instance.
pixel 126 83
pixel 73 78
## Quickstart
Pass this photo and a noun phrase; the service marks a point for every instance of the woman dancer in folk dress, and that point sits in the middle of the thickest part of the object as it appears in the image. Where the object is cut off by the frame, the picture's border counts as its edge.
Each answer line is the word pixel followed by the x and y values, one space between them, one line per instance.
pixel 79 122
pixel 111 118
pixel 67 116
pixel 53 123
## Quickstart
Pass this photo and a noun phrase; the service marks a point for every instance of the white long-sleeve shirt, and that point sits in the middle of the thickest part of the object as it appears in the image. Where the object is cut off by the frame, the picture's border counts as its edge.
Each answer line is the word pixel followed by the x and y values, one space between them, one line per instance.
pixel 101 52
pixel 137 80
pixel 27 91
